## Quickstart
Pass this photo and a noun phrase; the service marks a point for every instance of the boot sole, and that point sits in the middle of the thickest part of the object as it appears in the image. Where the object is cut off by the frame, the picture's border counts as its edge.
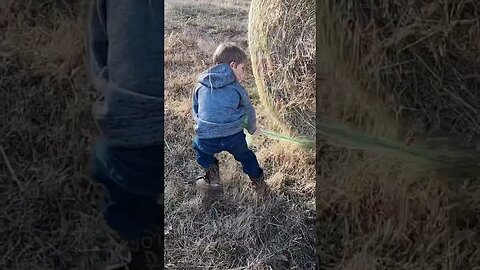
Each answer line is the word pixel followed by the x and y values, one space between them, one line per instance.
pixel 204 186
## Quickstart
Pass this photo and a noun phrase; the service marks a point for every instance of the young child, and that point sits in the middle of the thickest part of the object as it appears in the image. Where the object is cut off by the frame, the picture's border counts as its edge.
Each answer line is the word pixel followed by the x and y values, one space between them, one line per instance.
pixel 220 104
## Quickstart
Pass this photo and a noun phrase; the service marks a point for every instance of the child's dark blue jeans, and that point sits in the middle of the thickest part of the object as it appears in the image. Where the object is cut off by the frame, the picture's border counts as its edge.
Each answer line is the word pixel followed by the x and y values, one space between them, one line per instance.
pixel 133 180
pixel 235 144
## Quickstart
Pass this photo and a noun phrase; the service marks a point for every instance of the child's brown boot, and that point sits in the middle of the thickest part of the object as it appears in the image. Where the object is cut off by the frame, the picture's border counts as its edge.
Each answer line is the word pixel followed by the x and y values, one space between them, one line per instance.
pixel 210 181
pixel 259 184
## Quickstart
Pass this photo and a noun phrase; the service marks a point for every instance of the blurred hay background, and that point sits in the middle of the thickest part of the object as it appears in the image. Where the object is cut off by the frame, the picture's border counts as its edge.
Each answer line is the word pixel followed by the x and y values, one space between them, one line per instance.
pixel 50 215
pixel 403 73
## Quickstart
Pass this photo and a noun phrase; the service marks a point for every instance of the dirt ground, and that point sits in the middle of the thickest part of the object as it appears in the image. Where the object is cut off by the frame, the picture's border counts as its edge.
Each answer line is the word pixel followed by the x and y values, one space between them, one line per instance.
pixel 238 231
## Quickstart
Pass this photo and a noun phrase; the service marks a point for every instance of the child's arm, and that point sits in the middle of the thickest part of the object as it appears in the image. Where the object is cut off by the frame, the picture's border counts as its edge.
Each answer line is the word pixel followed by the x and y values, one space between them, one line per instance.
pixel 249 110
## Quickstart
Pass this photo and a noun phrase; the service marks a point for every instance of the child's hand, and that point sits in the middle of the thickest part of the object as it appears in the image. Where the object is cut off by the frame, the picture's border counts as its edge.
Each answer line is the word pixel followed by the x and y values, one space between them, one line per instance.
pixel 257 132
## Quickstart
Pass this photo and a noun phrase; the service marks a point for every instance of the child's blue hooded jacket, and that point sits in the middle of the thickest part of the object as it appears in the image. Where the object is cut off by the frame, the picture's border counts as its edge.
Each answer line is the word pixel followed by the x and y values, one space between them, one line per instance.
pixel 219 104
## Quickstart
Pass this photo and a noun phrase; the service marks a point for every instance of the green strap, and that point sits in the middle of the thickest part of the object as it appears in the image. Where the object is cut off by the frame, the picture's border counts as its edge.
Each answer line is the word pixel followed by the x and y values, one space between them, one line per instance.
pixel 453 162
pixel 309 144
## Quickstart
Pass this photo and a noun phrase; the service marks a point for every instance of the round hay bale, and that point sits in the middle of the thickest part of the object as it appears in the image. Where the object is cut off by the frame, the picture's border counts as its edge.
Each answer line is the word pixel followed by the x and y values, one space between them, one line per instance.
pixel 400 68
pixel 281 37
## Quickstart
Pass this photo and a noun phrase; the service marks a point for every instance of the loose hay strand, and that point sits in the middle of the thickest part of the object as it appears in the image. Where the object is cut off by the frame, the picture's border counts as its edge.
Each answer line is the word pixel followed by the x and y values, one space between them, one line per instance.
pixel 10 169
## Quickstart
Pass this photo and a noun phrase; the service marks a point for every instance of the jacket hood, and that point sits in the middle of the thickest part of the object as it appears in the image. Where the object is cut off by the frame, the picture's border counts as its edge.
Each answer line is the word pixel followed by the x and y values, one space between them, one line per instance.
pixel 217 76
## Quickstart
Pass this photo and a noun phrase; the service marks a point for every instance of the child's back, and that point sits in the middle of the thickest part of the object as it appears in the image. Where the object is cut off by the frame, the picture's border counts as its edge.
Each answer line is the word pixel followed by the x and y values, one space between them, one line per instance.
pixel 220 103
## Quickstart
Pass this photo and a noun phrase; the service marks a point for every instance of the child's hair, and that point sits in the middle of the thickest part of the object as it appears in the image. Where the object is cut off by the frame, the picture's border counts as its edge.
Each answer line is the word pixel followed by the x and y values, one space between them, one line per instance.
pixel 227 53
